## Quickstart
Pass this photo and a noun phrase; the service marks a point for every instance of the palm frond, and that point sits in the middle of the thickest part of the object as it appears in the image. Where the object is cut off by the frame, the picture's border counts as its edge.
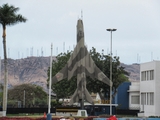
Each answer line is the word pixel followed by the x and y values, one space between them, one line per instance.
pixel 8 15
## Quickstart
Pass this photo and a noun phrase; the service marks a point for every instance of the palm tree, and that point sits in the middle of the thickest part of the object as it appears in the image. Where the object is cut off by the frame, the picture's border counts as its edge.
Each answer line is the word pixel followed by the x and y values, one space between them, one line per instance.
pixel 8 16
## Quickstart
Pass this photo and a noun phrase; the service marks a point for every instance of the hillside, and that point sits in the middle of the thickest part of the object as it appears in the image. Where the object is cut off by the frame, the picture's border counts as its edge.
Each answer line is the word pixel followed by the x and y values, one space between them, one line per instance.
pixel 28 70
pixel 134 71
pixel 34 70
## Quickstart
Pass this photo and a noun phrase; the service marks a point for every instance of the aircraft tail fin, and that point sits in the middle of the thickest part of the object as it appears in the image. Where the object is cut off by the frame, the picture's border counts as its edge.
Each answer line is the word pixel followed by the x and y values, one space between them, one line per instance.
pixel 76 97
pixel 88 97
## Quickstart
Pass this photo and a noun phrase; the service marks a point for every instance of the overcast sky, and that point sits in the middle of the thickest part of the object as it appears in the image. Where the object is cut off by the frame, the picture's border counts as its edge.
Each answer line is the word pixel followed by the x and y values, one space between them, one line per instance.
pixel 137 39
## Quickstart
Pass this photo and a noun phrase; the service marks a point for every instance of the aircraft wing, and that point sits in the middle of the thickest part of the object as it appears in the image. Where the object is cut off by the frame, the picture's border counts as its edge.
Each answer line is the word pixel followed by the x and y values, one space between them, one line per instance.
pixel 62 74
pixel 69 70
pixel 94 72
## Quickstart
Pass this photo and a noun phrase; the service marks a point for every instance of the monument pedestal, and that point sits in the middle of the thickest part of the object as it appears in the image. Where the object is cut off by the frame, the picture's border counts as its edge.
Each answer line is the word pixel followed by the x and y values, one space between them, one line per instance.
pixel 2 113
pixel 82 113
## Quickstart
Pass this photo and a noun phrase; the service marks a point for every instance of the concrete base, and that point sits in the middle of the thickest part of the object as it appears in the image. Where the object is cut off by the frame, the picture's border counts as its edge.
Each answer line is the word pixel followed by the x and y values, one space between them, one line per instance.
pixel 141 114
pixel 82 113
pixel 2 113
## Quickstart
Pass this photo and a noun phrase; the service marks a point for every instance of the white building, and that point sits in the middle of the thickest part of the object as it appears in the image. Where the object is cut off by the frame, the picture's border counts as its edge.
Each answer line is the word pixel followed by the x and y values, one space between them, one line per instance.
pixel 150 89
pixel 134 96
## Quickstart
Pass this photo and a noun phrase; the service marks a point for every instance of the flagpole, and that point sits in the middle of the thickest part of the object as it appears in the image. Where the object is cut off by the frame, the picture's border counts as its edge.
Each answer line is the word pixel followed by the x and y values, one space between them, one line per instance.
pixel 49 103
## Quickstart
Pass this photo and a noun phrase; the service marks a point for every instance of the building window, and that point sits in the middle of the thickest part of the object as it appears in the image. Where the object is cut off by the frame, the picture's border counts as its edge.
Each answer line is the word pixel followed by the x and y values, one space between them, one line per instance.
pixel 151 74
pixel 147 75
pixel 134 99
pixel 143 75
pixel 147 98
pixel 151 98
pixel 143 98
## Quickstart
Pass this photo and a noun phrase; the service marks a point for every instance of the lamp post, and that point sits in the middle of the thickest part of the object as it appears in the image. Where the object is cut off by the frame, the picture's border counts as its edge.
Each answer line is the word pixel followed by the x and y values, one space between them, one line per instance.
pixel 111 30
pixel 24 97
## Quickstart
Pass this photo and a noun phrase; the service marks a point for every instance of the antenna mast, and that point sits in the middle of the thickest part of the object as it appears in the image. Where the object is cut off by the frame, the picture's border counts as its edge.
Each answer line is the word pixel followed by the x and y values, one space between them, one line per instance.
pixel 81 14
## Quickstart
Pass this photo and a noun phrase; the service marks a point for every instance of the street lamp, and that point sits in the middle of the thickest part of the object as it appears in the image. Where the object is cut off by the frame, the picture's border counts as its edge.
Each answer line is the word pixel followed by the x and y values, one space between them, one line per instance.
pixel 111 30
pixel 24 97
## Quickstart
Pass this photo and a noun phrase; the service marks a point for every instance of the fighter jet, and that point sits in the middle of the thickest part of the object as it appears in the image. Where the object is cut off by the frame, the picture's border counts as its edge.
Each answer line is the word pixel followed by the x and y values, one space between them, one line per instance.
pixel 81 65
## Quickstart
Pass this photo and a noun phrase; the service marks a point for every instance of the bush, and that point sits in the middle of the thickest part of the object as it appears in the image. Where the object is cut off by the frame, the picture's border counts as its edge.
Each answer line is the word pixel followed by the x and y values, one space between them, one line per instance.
pixel 55 103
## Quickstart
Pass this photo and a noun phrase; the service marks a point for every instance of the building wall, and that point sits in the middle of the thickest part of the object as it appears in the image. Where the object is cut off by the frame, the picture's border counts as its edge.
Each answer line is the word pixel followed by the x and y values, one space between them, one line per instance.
pixel 157 89
pixel 134 103
pixel 122 97
pixel 149 88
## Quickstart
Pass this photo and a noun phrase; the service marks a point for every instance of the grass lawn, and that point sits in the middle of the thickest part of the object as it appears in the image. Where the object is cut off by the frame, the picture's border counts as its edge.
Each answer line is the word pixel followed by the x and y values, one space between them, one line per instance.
pixel 26 115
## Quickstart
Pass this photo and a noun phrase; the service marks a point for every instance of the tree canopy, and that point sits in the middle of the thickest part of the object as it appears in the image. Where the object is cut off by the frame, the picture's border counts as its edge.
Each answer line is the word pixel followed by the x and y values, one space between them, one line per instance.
pixel 66 88
pixel 119 75
pixel 8 15
pixel 34 95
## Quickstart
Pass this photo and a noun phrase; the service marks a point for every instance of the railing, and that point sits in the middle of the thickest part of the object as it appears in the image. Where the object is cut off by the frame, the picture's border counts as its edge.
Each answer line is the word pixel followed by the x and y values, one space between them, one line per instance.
pixel 67 109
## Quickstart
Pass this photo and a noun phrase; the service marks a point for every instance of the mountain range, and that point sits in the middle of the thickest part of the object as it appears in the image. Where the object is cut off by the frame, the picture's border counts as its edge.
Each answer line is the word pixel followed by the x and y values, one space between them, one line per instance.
pixel 34 70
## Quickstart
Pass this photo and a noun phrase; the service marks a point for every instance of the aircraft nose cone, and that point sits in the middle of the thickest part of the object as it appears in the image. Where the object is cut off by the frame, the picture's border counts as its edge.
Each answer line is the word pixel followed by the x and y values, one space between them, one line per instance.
pixel 80 24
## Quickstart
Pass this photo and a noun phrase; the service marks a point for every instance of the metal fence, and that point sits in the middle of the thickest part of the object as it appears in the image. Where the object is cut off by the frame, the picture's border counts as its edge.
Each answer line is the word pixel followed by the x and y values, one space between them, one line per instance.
pixel 28 110
pixel 69 109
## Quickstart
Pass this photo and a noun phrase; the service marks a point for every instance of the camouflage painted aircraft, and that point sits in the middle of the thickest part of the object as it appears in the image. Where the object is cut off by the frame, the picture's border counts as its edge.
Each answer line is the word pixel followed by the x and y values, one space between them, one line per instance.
pixel 81 65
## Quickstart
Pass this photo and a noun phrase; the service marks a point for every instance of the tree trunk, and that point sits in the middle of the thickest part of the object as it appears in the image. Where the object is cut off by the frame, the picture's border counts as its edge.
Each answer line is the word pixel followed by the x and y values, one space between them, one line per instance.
pixel 5 86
